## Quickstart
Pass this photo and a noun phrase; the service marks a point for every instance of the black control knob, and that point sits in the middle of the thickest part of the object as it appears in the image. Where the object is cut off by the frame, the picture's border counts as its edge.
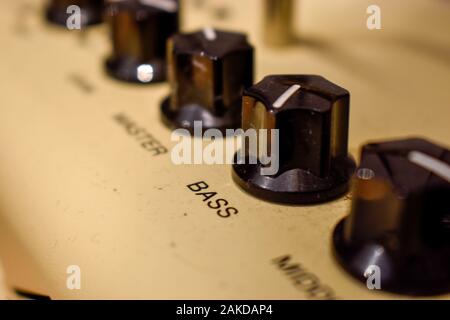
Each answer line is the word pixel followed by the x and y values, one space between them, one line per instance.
pixel 139 31
pixel 208 71
pixel 400 218
pixel 59 11
pixel 310 115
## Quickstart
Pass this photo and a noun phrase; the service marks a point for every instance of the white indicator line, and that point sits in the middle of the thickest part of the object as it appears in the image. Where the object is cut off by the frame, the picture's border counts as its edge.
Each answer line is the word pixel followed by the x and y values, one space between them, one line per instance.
pixel 166 5
pixel 210 34
pixel 433 165
pixel 286 95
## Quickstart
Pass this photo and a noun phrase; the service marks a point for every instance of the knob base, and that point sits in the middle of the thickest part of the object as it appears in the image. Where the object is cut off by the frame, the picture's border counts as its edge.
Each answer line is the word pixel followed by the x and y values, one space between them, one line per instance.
pixel 185 116
pixel 128 70
pixel 89 16
pixel 402 273
pixel 294 186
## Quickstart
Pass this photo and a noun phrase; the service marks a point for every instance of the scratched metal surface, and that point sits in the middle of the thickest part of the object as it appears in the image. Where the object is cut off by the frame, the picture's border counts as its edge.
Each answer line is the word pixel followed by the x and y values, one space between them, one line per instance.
pixel 76 189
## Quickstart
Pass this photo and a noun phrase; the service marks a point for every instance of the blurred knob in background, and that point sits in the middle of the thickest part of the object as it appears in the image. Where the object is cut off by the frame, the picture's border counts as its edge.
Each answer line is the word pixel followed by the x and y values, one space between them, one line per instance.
pixel 278 22
pixel 139 31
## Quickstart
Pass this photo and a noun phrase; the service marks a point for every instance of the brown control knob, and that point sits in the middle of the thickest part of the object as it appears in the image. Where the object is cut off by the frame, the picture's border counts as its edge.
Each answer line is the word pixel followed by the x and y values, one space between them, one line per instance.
pixel 139 31
pixel 208 71
pixel 310 115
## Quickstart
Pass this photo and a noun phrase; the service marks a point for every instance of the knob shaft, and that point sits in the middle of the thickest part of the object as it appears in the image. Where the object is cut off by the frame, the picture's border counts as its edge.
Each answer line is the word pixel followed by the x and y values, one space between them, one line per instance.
pixel 278 22
pixel 91 11
pixel 311 116
pixel 208 71
pixel 400 218
pixel 139 31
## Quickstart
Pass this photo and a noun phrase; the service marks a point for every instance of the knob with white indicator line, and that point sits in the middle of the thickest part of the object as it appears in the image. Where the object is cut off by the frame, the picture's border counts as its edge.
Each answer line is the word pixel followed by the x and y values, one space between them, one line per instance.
pixel 139 31
pixel 398 230
pixel 309 161
pixel 208 71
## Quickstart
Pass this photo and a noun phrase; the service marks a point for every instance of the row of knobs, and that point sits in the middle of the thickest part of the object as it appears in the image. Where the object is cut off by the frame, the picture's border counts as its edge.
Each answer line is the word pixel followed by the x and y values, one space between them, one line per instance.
pixel 278 15
pixel 400 216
